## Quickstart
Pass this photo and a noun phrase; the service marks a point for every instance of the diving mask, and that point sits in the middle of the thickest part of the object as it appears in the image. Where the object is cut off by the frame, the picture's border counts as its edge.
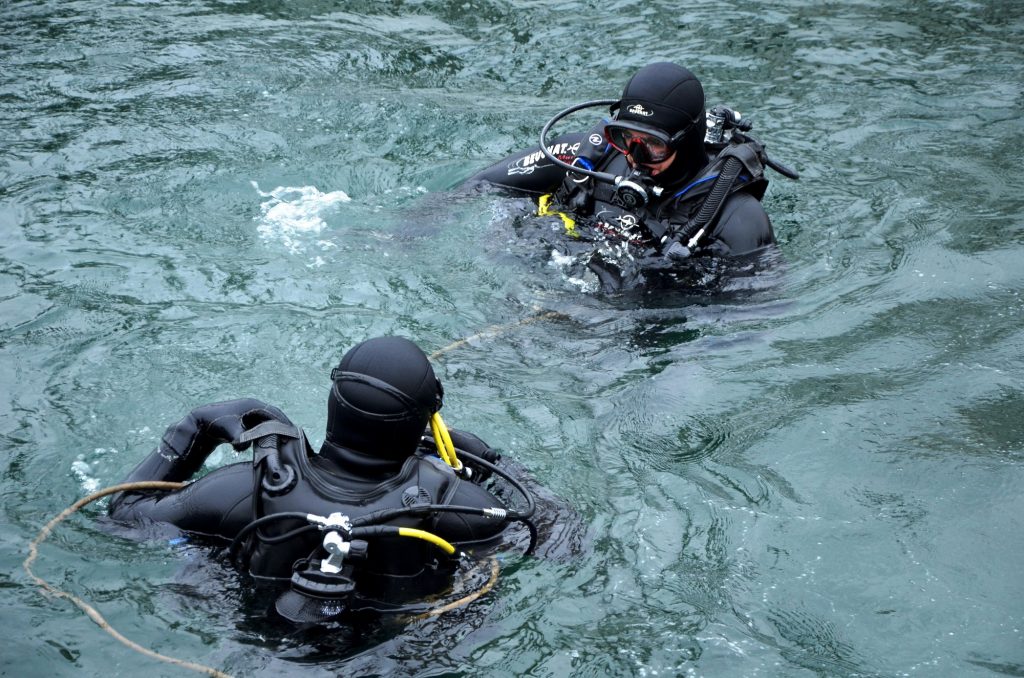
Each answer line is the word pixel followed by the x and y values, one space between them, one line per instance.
pixel 646 146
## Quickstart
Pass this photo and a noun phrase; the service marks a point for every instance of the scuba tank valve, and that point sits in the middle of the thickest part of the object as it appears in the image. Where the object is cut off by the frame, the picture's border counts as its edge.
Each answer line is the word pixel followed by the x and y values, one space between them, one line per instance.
pixel 720 121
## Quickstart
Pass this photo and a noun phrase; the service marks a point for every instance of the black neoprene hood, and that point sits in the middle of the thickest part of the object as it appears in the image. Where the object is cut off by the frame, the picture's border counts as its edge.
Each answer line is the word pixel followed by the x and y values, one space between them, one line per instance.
pixel 384 414
pixel 669 99
pixel 664 96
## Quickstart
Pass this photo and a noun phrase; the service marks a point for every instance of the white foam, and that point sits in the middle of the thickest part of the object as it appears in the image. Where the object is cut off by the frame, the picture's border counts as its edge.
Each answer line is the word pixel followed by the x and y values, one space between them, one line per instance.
pixel 293 213
pixel 83 472
pixel 566 265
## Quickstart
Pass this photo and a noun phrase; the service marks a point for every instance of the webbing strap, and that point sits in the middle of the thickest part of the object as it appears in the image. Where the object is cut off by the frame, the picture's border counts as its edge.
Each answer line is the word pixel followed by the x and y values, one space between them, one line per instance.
pixel 271 427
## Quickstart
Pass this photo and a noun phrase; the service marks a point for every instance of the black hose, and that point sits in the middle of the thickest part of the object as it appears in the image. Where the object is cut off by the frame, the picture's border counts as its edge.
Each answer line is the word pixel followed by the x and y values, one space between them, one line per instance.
pixel 716 198
pixel 508 515
pixel 768 162
pixel 232 552
pixel 533 535
pixel 384 515
pixel 531 505
pixel 600 176
pixel 780 168
pixel 291 534
pixel 362 522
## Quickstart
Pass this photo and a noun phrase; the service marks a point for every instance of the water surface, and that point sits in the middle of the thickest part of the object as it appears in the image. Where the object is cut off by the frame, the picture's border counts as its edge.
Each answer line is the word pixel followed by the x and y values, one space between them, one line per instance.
pixel 815 475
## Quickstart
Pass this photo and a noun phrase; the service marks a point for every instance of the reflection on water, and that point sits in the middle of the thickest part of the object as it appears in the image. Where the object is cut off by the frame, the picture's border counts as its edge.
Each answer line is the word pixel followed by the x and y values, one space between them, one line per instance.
pixel 811 468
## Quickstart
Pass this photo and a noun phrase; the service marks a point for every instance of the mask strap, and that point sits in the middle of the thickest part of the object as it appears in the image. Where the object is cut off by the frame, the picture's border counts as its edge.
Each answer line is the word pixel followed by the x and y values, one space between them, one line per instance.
pixel 678 136
pixel 411 405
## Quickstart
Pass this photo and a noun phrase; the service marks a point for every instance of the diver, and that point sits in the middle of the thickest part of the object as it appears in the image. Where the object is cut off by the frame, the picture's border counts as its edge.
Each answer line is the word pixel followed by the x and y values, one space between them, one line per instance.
pixel 659 182
pixel 383 510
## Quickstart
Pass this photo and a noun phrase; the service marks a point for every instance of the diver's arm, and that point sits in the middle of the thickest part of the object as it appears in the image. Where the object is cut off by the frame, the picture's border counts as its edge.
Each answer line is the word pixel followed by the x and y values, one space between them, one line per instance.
pixel 181 453
pixel 464 528
pixel 186 445
pixel 743 227
pixel 219 504
pixel 529 170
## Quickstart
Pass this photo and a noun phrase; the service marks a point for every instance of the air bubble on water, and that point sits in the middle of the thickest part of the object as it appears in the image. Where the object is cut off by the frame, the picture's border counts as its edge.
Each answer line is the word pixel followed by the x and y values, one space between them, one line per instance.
pixel 291 213
pixel 83 472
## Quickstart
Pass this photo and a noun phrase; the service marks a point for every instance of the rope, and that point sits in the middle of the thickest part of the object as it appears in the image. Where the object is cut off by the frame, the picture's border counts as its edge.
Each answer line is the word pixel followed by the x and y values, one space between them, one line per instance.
pixel 467 599
pixel 494 331
pixel 95 616
pixel 89 610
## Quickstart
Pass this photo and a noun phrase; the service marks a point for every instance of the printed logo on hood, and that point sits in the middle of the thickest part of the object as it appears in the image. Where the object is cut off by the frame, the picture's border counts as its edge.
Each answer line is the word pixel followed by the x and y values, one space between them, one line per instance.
pixel 637 109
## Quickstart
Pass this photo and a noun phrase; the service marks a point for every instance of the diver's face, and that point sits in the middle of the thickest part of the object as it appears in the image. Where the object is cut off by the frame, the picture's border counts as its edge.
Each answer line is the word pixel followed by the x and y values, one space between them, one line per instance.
pixel 654 169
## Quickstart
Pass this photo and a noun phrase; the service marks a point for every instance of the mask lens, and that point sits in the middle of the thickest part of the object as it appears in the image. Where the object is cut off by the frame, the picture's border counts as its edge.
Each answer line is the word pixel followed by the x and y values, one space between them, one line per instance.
pixel 624 140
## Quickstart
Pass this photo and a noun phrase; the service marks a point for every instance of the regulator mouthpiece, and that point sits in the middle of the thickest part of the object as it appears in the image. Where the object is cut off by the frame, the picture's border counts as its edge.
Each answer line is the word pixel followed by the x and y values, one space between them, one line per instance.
pixel 634 191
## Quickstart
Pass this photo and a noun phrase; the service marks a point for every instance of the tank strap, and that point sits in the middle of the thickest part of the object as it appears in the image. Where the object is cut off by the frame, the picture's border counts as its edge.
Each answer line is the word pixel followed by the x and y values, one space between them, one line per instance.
pixel 278 478
pixel 270 427
pixel 749 154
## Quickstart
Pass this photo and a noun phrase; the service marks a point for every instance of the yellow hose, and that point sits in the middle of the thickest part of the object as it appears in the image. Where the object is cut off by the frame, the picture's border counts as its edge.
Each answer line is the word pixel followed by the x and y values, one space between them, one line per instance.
pixel 544 210
pixel 443 441
pixel 427 536
pixel 442 451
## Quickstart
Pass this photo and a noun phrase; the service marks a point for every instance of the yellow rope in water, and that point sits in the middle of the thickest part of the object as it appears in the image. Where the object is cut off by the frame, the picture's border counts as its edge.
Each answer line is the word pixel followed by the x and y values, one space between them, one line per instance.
pixel 33 553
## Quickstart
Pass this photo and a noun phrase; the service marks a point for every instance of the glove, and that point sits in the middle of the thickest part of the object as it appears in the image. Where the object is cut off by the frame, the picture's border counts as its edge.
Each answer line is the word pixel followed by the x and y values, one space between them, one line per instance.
pixel 186 444
pixel 677 251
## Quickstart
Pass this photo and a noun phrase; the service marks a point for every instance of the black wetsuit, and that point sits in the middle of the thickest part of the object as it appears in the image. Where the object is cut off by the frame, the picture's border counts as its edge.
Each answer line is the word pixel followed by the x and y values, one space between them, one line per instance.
pixel 740 227
pixel 285 475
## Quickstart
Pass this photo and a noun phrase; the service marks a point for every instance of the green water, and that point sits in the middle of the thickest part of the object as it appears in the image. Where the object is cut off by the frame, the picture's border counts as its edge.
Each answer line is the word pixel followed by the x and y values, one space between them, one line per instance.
pixel 813 474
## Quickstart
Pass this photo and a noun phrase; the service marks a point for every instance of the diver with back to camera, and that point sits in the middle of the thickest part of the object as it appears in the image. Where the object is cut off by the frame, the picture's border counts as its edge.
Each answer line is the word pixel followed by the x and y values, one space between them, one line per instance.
pixel 380 516
pixel 659 183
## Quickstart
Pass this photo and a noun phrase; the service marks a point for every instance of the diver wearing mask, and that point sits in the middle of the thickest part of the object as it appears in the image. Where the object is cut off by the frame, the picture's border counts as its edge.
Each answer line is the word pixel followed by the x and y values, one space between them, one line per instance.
pixel 663 175
pixel 374 514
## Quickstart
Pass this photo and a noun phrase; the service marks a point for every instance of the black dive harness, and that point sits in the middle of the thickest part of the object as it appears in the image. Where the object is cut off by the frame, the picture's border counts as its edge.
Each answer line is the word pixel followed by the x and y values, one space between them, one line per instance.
pixel 737 152
pixel 323 583
pixel 276 478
